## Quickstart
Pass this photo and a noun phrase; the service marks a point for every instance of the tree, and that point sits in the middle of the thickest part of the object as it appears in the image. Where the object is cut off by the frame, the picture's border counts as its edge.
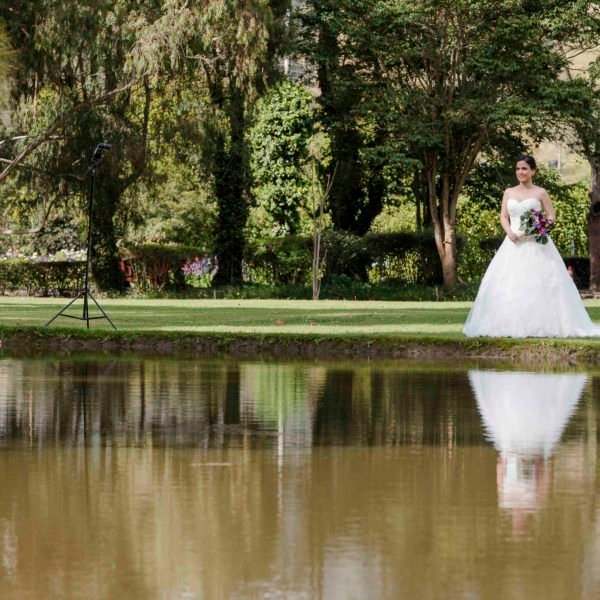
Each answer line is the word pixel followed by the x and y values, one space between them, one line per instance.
pixel 232 48
pixel 279 140
pixel 580 95
pixel 73 88
pixel 358 191
pixel 98 78
pixel 446 78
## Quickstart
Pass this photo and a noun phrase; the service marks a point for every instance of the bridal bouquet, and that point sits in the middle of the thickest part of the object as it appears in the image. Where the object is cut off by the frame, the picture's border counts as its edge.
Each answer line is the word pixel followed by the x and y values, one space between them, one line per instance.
pixel 536 224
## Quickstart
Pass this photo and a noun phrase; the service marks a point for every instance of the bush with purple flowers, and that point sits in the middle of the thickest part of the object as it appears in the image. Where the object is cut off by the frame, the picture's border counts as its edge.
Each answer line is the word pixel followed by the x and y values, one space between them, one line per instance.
pixel 200 271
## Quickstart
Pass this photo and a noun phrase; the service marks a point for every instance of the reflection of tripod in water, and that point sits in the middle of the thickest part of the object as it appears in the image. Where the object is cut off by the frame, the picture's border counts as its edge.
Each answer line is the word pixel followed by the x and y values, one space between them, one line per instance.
pixel 85 291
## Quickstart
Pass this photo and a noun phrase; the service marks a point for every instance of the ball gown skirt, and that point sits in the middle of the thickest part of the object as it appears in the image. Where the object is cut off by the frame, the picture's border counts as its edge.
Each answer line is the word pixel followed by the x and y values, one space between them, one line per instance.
pixel 524 415
pixel 527 292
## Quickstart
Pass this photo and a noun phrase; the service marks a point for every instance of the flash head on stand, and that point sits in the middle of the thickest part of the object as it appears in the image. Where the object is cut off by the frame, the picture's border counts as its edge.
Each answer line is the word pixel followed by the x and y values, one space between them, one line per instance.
pixel 100 148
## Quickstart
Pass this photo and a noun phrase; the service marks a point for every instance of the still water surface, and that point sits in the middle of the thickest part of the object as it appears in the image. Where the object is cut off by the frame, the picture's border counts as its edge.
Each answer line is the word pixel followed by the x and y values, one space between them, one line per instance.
pixel 148 478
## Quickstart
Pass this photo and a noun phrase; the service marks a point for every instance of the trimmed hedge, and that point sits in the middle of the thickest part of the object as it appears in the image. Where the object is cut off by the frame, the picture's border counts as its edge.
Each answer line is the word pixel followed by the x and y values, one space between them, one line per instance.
pixel 284 261
pixel 380 258
pixel 404 258
pixel 341 288
pixel 368 267
pixel 56 278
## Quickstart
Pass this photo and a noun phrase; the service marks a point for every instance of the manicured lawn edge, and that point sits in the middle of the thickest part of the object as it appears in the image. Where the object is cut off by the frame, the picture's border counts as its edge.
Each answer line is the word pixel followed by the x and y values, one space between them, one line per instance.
pixel 21 339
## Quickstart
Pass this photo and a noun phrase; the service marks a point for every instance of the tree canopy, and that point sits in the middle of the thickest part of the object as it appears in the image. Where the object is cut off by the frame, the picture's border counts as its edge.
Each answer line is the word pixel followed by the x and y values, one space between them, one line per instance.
pixel 422 101
pixel 441 82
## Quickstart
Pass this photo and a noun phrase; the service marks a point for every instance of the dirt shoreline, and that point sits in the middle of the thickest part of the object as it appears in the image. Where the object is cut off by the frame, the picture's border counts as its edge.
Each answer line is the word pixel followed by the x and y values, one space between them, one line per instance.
pixel 286 346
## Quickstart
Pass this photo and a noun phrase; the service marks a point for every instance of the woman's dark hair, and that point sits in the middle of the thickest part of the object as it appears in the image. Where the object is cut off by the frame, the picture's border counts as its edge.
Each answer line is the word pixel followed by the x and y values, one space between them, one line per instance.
pixel 529 160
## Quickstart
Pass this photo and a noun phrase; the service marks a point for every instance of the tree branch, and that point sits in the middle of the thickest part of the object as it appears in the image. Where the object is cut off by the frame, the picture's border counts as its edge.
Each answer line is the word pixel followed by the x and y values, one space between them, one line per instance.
pixel 32 230
pixel 47 135
pixel 43 171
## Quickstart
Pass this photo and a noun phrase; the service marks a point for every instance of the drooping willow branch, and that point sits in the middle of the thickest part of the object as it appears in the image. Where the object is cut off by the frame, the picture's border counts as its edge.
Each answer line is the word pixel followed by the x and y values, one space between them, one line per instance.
pixel 30 230
pixel 58 121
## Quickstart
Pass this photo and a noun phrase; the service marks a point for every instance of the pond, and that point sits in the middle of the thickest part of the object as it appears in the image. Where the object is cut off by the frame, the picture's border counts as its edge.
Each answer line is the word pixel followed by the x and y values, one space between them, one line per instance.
pixel 164 478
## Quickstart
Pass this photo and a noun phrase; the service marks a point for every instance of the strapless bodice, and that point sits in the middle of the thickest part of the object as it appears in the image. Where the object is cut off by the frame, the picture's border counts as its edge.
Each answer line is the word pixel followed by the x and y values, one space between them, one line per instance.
pixel 517 207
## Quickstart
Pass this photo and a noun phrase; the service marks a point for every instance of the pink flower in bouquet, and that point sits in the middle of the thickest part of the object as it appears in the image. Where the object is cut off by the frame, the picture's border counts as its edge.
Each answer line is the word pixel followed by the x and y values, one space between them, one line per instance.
pixel 536 224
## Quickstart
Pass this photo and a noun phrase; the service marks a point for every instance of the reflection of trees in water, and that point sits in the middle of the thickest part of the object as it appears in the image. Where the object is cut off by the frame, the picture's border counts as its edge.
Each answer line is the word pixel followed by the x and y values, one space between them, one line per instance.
pixel 366 522
pixel 228 404
pixel 220 404
pixel 371 406
pixel 161 402
pixel 119 402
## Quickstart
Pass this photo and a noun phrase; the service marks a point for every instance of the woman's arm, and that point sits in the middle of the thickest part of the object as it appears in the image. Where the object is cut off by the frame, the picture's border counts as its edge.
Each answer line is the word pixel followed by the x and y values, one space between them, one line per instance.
pixel 505 219
pixel 547 206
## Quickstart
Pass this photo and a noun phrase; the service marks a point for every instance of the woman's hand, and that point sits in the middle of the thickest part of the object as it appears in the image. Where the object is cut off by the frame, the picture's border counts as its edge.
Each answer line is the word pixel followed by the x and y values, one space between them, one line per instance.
pixel 513 237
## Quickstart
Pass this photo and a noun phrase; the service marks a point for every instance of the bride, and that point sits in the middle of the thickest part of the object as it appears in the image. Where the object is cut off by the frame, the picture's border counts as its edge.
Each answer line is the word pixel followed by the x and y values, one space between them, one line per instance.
pixel 526 290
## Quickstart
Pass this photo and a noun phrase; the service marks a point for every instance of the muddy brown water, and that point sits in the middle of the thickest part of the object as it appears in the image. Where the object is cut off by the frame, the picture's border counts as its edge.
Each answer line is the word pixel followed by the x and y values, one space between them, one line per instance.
pixel 158 478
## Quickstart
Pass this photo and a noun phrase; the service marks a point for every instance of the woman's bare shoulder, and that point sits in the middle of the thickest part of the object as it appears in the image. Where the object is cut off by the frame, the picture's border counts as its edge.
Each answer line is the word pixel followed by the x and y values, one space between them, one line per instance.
pixel 509 190
pixel 541 191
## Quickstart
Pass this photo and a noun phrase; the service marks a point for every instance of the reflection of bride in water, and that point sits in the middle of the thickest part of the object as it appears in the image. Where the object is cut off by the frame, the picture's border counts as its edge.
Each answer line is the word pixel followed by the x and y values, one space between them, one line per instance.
pixel 524 415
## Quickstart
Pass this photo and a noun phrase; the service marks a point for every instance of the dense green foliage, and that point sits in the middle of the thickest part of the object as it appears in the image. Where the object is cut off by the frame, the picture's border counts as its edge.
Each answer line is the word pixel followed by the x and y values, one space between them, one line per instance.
pixel 407 107
pixel 56 278
pixel 437 83
pixel 279 141
pixel 378 258
pixel 72 90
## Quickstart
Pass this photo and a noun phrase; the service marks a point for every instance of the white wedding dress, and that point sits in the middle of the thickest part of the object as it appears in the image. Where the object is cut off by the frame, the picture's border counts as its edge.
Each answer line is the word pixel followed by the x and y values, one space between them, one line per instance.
pixel 525 413
pixel 524 416
pixel 527 291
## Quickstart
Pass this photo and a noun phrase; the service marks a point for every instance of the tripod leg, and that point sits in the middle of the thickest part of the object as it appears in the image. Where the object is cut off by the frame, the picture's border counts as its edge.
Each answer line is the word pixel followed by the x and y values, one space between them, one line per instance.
pixel 102 311
pixel 86 311
pixel 62 310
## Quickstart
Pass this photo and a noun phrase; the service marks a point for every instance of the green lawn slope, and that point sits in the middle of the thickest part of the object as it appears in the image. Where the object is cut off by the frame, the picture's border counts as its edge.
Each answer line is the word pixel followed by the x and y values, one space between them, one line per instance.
pixel 294 327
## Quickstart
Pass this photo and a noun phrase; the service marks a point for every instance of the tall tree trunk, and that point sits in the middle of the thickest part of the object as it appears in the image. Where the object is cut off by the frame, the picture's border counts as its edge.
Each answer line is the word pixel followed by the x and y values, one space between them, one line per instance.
pixel 347 188
pixel 231 200
pixel 449 257
pixel 443 216
pixel 278 42
pixel 443 187
pixel 594 224
pixel 375 189
pixel 347 200
pixel 105 262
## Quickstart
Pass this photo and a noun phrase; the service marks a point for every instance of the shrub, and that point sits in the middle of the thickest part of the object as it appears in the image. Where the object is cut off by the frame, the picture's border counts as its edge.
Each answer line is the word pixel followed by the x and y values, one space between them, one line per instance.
pixel 200 271
pixel 580 271
pixel 403 258
pixel 340 288
pixel 380 258
pixel 56 278
pixel 284 260
pixel 156 267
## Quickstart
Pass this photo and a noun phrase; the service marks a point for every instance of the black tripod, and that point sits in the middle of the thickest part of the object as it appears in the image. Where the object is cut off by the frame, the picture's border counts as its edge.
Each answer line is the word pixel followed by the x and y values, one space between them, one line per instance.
pixel 85 291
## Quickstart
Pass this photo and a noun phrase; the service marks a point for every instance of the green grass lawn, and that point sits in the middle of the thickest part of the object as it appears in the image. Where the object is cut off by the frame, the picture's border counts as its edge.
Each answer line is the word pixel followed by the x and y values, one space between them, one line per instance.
pixel 252 316
pixel 420 320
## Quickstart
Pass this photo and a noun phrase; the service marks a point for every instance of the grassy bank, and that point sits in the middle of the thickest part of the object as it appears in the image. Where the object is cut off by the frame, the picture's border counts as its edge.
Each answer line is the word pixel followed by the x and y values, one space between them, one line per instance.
pixel 279 328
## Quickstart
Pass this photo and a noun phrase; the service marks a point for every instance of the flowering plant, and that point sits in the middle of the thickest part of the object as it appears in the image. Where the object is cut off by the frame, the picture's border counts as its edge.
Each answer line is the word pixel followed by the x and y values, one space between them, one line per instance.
pixel 536 224
pixel 200 271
